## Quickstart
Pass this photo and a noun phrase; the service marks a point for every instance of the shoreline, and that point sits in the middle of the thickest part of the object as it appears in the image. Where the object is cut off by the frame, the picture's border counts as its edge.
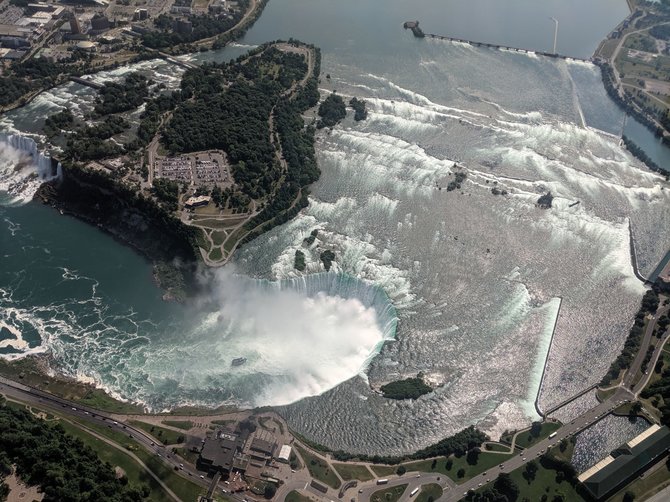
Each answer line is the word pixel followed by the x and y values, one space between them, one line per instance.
pixel 35 371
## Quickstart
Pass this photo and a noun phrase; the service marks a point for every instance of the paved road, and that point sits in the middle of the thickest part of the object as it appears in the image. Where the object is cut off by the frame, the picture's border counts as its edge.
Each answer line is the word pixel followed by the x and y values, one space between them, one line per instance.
pixel 84 414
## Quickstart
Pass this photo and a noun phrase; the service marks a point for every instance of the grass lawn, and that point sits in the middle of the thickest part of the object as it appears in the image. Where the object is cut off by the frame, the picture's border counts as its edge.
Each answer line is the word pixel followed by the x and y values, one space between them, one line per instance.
pixel 544 483
pixel 218 237
pixel 318 468
pixel 484 462
pixel 645 487
pixel 162 435
pixel 294 496
pixel 525 439
pixel 383 470
pixel 427 492
pixel 215 254
pixel 351 471
pixel 223 422
pixel 185 489
pixel 391 494
pixel 135 473
pixel 179 424
pixel 497 447
pixel 188 455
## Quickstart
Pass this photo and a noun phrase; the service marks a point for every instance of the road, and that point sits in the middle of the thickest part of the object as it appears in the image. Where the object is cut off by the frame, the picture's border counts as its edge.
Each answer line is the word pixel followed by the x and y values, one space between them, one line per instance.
pixel 43 400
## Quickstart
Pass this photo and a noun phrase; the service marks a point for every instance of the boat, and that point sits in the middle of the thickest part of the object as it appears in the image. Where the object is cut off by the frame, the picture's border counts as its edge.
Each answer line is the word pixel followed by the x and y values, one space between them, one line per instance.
pixel 239 361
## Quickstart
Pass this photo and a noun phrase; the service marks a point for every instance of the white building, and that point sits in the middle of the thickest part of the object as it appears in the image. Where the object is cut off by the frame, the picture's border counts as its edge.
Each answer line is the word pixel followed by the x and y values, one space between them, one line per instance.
pixel 284 454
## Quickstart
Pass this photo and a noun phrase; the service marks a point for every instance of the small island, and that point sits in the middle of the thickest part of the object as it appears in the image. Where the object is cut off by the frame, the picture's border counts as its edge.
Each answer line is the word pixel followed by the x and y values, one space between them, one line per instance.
pixel 544 202
pixel 409 388
pixel 331 110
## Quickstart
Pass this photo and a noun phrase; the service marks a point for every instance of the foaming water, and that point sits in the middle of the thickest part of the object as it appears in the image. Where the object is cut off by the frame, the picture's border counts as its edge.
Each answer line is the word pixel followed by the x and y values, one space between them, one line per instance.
pixel 298 337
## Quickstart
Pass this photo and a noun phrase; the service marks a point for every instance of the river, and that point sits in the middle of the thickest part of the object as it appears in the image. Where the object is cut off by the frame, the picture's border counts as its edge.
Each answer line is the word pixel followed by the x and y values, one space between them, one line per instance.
pixel 477 281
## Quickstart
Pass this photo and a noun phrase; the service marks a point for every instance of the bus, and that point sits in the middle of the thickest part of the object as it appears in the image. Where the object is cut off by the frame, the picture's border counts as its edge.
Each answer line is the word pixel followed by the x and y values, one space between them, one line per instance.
pixel 414 492
pixel 552 435
pixel 382 481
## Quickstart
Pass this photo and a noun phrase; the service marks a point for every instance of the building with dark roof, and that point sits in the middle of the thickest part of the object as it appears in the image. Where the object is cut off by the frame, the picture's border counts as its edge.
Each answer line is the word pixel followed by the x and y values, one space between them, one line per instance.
pixel 626 462
pixel 223 452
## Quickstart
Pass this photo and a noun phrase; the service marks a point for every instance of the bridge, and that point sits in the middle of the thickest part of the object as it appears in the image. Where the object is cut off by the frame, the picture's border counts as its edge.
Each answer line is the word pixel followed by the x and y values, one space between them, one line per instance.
pixel 87 83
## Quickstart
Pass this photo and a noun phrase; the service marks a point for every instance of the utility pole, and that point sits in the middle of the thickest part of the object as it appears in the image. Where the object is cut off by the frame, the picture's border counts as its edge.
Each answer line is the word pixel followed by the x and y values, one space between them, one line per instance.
pixel 555 32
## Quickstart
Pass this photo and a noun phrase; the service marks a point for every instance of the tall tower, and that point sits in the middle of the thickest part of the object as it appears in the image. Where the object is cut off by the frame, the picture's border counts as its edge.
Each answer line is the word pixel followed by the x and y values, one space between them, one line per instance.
pixel 75 27
pixel 555 33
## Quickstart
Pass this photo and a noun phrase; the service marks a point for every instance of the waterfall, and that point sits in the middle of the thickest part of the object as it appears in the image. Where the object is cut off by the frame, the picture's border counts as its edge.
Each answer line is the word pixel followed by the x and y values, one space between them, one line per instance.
pixel 23 167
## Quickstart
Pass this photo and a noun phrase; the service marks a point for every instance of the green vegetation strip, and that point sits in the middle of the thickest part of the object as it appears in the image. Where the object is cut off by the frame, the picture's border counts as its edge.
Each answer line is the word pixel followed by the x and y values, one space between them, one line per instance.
pixel 536 433
pixel 183 488
pixel 179 424
pixel 318 468
pixel 162 435
pixel 352 471
pixel 391 494
pixel 429 493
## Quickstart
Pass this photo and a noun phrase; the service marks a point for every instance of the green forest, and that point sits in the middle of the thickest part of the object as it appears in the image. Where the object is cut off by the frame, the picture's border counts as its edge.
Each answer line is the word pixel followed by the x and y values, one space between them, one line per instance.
pixel 62 466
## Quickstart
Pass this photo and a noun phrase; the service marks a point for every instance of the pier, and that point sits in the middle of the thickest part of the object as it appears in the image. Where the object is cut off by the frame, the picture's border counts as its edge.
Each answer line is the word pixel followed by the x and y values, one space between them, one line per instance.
pixel 412 24
pixel 87 83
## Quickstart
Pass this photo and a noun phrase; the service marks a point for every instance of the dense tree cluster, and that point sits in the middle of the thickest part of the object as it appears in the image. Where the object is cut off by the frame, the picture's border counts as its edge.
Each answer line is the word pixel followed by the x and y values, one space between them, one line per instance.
pixel 360 109
pixel 167 191
pixel 409 388
pixel 455 184
pixel 632 345
pixel 458 444
pixel 327 258
pixel 299 260
pixel 332 110
pixel 62 466
pixel 202 26
pixel 117 98
pixel 55 123
pixel 660 31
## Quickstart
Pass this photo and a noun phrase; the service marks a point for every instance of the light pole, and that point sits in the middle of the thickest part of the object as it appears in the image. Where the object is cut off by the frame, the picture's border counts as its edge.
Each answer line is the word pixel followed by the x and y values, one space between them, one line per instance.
pixel 555 32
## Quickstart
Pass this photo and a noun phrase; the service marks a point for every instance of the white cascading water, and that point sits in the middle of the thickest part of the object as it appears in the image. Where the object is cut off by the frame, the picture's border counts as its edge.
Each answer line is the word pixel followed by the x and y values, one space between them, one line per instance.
pixel 23 167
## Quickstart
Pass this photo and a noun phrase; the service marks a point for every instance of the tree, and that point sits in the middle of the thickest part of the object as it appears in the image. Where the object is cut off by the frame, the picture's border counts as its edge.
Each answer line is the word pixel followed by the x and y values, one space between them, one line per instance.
pixel 506 486
pixel 461 473
pixel 270 491
pixel 472 456
pixel 449 464
pixel 401 470
pixel 530 471
pixel 535 429
pixel 628 497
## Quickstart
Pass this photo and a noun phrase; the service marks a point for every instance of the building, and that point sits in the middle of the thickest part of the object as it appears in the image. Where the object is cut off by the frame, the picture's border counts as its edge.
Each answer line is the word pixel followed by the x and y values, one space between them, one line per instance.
pixel 99 23
pixel 86 46
pixel 14 37
pixel 626 462
pixel 75 27
pixel 284 454
pixel 192 202
pixel 262 450
pixel 183 26
pixel 223 452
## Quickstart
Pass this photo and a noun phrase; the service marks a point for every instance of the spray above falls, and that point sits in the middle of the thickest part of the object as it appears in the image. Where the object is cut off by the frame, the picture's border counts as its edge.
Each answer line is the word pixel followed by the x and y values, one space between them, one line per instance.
pixel 23 167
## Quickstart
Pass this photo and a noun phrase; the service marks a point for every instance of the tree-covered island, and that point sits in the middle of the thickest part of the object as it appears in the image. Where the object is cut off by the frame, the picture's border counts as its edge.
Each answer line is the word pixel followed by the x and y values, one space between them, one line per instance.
pixel 209 167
